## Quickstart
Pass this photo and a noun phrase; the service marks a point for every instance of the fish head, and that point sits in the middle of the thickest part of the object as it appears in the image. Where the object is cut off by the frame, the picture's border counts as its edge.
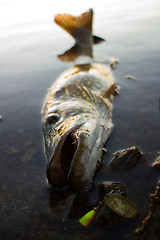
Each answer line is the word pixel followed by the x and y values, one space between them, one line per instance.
pixel 73 144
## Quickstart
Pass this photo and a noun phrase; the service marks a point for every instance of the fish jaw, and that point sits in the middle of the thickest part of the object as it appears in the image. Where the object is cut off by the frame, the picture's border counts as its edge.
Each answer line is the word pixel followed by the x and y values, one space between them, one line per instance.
pixel 75 159
pixel 88 154
pixel 60 154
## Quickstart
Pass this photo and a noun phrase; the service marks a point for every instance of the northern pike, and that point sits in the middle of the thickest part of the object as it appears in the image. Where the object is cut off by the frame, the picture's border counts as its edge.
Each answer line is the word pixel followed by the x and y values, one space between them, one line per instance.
pixel 77 123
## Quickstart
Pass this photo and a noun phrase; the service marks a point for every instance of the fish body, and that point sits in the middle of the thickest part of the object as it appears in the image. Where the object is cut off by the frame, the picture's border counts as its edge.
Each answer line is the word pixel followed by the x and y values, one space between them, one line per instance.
pixel 77 123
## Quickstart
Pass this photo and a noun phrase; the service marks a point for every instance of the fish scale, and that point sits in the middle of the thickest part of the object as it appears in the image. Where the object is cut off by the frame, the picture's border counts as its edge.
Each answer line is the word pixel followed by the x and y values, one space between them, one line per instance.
pixel 76 90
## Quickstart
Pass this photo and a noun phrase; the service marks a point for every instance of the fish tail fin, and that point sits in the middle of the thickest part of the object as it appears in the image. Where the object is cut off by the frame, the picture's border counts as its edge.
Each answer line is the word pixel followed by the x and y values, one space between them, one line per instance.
pixel 73 24
pixel 97 39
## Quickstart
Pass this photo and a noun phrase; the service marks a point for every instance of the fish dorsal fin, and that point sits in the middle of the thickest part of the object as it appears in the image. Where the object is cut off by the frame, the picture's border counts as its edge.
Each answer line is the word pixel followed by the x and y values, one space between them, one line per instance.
pixel 72 23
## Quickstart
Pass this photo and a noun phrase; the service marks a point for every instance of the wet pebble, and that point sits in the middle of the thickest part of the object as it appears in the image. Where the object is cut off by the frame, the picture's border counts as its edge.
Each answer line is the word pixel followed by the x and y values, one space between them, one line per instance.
pixel 114 206
pixel 104 214
pixel 107 187
pixel 127 158
pixel 121 205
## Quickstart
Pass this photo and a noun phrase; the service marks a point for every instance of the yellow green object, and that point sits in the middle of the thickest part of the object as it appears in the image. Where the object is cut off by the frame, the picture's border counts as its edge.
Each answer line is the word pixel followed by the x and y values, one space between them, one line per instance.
pixel 87 218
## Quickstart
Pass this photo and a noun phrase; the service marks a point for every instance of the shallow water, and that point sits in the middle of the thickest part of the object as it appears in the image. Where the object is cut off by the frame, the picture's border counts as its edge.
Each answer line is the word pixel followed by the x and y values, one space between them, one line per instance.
pixel 29 45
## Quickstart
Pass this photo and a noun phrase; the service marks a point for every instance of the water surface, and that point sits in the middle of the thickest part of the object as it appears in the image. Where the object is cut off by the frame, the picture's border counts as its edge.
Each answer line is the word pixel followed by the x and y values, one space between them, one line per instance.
pixel 29 45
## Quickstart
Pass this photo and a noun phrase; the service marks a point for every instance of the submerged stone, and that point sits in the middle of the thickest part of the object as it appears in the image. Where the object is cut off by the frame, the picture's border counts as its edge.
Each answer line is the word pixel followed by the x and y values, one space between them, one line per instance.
pixel 127 158
pixel 104 214
pixel 121 205
pixel 108 187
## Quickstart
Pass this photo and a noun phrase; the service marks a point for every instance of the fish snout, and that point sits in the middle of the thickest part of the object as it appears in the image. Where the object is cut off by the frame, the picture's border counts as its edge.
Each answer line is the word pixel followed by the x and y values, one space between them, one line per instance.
pixel 60 163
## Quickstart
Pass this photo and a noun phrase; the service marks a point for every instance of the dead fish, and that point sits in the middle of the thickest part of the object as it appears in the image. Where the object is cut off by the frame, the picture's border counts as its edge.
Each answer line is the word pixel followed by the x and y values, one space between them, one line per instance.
pixel 77 123
pixel 80 28
pixel 77 115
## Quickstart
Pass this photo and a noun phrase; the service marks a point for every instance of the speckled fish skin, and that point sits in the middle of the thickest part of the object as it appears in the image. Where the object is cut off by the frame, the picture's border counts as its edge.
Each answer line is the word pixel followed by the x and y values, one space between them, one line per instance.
pixel 76 124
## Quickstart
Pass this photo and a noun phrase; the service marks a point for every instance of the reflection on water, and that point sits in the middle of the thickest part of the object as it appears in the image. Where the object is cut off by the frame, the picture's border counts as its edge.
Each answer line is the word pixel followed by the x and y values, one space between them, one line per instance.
pixel 29 44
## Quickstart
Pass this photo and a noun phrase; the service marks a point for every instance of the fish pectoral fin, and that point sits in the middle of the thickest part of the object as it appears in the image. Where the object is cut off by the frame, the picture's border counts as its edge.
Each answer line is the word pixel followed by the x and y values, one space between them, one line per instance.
pixel 72 23
pixel 112 90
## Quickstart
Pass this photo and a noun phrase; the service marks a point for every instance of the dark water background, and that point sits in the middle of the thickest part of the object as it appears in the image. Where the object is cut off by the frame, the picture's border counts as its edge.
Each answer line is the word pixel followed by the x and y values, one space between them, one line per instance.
pixel 29 44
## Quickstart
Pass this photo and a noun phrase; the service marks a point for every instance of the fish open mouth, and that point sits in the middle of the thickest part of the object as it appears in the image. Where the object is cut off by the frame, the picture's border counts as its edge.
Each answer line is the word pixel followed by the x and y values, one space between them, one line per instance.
pixel 59 166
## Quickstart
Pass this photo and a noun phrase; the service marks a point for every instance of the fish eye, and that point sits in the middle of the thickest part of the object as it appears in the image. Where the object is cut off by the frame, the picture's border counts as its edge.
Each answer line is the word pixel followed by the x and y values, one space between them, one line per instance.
pixel 53 118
